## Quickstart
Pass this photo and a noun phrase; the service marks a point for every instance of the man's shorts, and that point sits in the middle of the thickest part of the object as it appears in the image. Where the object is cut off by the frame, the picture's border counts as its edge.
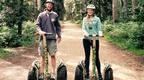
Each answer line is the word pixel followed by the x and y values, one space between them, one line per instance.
pixel 51 47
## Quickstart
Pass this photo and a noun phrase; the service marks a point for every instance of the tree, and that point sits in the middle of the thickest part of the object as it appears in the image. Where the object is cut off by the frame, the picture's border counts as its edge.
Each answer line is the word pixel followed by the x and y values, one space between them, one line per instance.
pixel 103 8
pixel 134 5
pixel 39 4
pixel 115 10
pixel 125 9
pixel 59 8
pixel 16 12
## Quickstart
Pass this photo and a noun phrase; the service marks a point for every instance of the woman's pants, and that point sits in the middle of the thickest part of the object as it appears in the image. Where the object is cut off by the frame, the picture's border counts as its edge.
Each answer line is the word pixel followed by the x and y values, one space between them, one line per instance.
pixel 87 44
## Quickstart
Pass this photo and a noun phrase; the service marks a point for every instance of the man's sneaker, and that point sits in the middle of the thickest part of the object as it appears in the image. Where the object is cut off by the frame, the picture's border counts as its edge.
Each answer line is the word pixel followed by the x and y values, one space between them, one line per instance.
pixel 41 77
pixel 87 79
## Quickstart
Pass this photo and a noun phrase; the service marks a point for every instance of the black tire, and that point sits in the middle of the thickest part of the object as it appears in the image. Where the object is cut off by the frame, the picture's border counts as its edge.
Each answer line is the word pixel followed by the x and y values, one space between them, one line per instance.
pixel 108 73
pixel 78 73
pixel 62 72
pixel 32 74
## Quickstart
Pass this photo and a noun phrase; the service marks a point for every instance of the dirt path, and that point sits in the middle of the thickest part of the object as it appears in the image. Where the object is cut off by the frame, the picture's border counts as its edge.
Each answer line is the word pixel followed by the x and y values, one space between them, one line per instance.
pixel 125 65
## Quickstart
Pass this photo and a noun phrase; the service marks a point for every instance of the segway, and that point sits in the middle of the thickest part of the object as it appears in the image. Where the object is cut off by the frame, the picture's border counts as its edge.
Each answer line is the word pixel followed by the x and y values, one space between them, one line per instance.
pixel 34 72
pixel 80 71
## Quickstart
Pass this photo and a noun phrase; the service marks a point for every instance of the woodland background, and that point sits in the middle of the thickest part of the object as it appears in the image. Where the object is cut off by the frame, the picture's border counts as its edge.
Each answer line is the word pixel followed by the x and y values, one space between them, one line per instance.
pixel 123 21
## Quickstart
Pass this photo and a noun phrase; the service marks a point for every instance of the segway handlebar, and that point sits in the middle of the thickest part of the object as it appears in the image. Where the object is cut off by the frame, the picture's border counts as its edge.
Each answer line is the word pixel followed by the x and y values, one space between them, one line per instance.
pixel 44 39
pixel 92 37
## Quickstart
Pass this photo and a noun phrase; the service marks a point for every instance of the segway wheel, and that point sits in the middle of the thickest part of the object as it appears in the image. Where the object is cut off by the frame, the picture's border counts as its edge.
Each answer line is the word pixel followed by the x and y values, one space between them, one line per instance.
pixel 32 74
pixel 108 73
pixel 61 72
pixel 34 71
pixel 79 73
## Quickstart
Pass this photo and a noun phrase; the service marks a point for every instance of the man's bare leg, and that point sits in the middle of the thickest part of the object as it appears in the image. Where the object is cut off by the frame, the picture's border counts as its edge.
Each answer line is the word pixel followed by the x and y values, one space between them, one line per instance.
pixel 53 62
pixel 42 64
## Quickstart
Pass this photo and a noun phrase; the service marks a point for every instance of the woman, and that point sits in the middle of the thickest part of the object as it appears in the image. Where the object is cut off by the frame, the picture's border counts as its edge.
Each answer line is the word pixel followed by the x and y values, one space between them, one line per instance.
pixel 91 26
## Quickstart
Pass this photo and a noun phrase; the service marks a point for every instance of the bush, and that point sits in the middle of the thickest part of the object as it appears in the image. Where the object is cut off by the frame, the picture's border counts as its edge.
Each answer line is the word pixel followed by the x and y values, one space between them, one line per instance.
pixel 10 38
pixel 13 39
pixel 4 53
pixel 137 36
pixel 4 33
pixel 140 13
pixel 28 33
pixel 126 35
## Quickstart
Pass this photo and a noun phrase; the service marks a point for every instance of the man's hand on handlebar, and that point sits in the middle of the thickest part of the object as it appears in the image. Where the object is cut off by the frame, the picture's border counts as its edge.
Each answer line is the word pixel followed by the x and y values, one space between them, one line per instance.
pixel 42 32
pixel 59 39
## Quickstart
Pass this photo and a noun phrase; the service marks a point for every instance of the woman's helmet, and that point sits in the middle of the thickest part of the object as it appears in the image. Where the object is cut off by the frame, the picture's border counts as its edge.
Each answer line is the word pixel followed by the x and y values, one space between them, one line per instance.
pixel 91 6
pixel 50 1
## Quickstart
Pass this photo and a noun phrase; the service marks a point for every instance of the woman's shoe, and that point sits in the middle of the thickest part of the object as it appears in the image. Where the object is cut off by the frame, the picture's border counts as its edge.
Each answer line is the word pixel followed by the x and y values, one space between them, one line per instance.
pixel 100 77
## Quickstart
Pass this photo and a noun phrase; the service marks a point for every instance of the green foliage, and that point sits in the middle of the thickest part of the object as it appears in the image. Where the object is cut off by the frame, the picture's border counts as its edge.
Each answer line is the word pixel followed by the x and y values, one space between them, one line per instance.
pixel 4 53
pixel 127 35
pixel 13 39
pixel 1 6
pixel 69 10
pixel 77 8
pixel 139 52
pixel 28 34
pixel 141 2
pixel 15 12
pixel 3 35
pixel 140 14
pixel 10 38
pixel 59 8
pixel 137 36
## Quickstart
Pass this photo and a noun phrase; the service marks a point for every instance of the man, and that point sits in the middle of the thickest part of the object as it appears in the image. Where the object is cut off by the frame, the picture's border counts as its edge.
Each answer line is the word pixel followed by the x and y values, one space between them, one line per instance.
pixel 47 22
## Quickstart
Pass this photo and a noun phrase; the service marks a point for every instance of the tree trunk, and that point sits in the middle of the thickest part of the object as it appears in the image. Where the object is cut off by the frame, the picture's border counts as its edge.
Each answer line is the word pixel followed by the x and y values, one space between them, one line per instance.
pixel 21 18
pixel 125 7
pixel 100 14
pixel 134 5
pixel 115 10
pixel 35 3
pixel 39 5
pixel 20 28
